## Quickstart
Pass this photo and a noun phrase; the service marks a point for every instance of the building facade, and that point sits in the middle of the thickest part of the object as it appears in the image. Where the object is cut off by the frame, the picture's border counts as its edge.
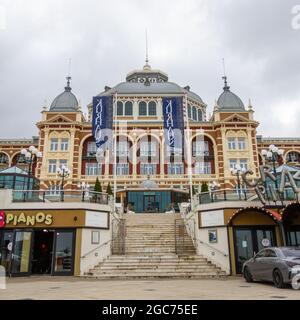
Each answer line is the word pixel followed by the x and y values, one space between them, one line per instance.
pixel 216 143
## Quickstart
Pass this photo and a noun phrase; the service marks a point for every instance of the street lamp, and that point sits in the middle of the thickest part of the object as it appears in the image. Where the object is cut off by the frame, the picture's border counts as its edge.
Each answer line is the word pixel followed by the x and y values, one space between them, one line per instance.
pixel 31 155
pixel 213 186
pixel 238 171
pixel 273 154
pixel 63 173
pixel 85 188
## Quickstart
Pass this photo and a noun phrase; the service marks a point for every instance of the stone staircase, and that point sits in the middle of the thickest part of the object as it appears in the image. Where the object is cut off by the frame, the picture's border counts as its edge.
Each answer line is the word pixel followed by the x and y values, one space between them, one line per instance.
pixel 150 252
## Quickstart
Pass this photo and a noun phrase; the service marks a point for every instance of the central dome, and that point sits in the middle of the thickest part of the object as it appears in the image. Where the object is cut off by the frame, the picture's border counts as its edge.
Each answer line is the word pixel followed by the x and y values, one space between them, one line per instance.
pixel 66 101
pixel 228 101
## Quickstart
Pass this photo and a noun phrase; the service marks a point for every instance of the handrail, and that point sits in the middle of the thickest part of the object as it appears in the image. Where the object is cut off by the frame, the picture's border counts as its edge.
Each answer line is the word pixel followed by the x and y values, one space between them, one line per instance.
pixel 101 245
pixel 215 249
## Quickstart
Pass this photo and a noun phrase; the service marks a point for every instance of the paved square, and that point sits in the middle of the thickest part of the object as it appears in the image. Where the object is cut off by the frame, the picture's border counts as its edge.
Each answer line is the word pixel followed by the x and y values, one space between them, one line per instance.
pixel 81 288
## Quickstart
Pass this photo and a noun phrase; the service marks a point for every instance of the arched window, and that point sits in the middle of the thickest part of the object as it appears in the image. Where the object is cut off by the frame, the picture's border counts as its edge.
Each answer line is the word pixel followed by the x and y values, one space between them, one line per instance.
pixel 189 112
pixel 119 108
pixel 142 108
pixel 200 117
pixel 293 156
pixel 128 108
pixel 3 158
pixel 194 113
pixel 152 108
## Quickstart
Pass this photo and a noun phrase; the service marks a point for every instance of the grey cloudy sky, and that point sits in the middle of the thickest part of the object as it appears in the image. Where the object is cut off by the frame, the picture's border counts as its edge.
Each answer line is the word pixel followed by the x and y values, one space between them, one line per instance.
pixel 187 39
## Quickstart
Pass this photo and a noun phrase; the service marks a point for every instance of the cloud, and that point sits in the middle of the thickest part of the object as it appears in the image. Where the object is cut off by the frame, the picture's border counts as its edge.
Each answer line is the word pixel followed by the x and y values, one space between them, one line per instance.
pixel 106 40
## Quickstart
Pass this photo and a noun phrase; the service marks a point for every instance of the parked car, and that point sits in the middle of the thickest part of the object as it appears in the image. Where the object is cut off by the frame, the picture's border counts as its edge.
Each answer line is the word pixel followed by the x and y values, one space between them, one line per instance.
pixel 275 264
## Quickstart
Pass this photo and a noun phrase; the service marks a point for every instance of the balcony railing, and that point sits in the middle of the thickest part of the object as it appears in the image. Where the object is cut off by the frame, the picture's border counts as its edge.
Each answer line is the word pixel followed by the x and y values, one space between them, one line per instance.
pixel 60 196
pixel 227 195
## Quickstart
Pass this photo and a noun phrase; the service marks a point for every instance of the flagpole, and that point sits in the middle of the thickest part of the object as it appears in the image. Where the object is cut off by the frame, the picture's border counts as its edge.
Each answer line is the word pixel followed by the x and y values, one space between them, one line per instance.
pixel 189 153
pixel 115 150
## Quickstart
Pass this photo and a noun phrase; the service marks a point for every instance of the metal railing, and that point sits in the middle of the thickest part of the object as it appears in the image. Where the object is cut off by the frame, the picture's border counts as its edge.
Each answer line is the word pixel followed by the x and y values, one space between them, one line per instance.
pixel 227 195
pixel 60 196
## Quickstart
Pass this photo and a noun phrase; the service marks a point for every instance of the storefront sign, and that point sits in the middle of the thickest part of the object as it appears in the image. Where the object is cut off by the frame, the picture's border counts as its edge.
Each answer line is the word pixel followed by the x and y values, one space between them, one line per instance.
pixel 212 218
pixel 287 180
pixel 2 219
pixel 28 220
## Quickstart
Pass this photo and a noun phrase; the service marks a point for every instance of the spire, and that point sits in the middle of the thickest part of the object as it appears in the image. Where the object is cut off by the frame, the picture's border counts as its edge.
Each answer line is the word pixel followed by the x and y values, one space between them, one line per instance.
pixel 226 87
pixel 147 66
pixel 68 88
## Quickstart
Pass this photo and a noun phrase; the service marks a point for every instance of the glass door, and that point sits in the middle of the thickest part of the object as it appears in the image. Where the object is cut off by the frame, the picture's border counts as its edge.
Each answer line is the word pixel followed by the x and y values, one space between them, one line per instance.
pixel 149 204
pixel 64 252
pixel 6 241
pixel 244 247
pixel 249 241
pixel 293 236
pixel 21 253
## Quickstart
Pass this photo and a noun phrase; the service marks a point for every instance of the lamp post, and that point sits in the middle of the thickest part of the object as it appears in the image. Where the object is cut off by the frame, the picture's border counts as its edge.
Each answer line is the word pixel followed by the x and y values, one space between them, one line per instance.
pixel 273 154
pixel 213 186
pixel 85 188
pixel 63 173
pixel 237 171
pixel 31 155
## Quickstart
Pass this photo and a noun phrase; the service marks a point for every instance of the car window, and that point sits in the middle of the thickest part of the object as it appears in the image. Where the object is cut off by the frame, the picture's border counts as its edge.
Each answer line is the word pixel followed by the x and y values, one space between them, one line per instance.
pixel 295 252
pixel 270 253
pixel 261 254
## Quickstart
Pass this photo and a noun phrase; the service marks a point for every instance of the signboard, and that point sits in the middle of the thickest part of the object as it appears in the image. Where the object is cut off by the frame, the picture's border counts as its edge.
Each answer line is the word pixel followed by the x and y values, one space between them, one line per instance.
pixel 95 219
pixel 102 121
pixel 173 123
pixel 265 242
pixel 11 219
pixel 212 218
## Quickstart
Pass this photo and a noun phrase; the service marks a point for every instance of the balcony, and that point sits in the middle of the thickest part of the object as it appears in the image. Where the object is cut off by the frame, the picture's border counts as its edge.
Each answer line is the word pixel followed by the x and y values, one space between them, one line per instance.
pixel 59 196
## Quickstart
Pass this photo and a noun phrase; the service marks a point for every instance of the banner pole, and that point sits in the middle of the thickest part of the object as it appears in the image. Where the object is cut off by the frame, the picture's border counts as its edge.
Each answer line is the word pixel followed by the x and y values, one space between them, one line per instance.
pixel 189 153
pixel 115 150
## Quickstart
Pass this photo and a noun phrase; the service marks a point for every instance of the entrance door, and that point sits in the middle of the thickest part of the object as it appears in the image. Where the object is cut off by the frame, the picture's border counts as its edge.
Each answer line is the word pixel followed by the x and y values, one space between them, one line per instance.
pixel 6 241
pixel 21 253
pixel 64 251
pixel 42 252
pixel 248 241
pixel 149 204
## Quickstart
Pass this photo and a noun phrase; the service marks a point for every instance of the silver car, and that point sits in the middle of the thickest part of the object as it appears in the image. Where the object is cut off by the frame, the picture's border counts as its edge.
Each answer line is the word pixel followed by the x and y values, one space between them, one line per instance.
pixel 276 264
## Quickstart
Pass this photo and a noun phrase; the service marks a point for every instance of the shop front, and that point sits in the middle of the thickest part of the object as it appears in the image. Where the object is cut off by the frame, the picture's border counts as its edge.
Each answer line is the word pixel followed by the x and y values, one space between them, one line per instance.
pixel 44 242
pixel 250 230
pixel 291 223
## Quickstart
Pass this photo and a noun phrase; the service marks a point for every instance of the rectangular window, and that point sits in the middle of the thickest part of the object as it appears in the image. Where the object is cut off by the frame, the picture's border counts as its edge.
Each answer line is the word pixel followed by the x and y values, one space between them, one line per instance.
pixel 91 149
pixel 54 190
pixel 244 164
pixel 148 149
pixel 232 163
pixel 200 148
pixel 242 143
pixel 64 144
pixel 92 169
pixel 52 166
pixel 54 144
pixel 122 169
pixel 202 168
pixel 231 144
pixel 122 149
pixel 148 168
pixel 63 163
pixel 175 168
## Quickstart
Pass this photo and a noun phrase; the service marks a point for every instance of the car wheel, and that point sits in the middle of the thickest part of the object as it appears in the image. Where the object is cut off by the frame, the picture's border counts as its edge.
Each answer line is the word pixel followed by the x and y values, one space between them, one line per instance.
pixel 278 279
pixel 247 275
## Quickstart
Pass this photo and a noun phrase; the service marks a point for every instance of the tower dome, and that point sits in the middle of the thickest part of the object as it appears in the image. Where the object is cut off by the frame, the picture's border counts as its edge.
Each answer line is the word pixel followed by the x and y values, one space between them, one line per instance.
pixel 228 101
pixel 66 101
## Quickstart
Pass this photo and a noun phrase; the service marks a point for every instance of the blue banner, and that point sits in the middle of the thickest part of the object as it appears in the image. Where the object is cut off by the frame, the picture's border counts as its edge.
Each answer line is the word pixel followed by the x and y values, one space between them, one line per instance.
pixel 173 122
pixel 102 121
